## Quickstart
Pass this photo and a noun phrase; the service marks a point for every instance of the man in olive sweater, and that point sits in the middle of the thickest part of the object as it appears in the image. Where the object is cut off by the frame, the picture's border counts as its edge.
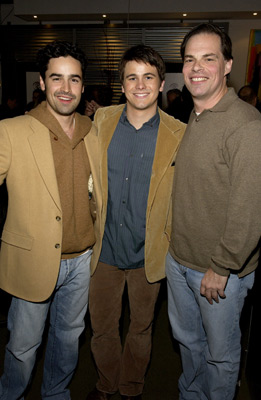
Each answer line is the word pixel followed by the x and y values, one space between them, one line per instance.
pixel 216 228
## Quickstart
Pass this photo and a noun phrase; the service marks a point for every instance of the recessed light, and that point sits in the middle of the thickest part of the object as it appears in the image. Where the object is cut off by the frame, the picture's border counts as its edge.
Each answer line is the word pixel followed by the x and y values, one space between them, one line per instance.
pixel 35 17
pixel 255 13
pixel 104 16
pixel 184 15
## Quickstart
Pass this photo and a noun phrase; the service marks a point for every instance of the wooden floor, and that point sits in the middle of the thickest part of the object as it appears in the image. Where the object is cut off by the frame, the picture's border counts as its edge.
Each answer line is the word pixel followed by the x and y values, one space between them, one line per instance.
pixel 163 373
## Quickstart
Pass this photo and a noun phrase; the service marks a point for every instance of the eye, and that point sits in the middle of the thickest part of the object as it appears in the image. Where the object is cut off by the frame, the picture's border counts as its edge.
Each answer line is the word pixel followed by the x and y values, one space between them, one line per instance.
pixel 75 80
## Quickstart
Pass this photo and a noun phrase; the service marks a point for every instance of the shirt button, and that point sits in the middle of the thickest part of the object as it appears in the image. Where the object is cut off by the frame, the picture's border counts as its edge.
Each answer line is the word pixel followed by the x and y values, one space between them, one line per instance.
pixel 55 138
pixel 58 218
pixel 123 201
pixel 57 246
pixel 120 225
pixel 126 179
pixel 197 119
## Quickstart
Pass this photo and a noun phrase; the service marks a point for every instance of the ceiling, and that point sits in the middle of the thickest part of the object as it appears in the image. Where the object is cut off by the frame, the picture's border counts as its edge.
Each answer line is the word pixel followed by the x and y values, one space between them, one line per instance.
pixel 132 18
pixel 145 17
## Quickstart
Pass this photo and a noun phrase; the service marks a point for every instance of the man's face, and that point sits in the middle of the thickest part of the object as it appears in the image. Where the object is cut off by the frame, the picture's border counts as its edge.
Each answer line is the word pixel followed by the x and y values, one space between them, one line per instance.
pixel 63 85
pixel 205 69
pixel 141 86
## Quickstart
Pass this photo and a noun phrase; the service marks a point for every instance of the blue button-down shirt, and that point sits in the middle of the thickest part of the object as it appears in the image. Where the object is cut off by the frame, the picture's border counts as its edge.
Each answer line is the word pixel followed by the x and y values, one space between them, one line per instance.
pixel 130 158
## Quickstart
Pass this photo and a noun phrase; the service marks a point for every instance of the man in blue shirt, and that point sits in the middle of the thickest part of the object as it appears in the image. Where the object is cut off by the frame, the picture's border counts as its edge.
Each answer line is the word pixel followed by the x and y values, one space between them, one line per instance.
pixel 132 161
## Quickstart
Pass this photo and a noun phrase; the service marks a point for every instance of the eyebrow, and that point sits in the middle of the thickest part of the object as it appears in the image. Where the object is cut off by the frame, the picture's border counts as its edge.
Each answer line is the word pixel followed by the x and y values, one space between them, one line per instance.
pixel 147 74
pixel 60 75
pixel 204 55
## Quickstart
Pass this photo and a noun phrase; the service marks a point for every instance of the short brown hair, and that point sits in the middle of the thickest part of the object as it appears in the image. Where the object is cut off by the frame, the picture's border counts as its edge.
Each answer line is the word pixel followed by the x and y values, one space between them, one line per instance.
pixel 58 49
pixel 226 44
pixel 145 54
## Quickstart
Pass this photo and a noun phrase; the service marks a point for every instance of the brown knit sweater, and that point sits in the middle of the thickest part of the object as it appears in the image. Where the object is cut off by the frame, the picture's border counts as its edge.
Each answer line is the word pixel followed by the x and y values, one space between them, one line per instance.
pixel 72 172
pixel 217 190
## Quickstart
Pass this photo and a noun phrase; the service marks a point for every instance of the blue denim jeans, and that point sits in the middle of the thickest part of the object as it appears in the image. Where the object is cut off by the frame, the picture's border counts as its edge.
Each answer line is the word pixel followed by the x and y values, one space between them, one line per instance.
pixel 208 335
pixel 26 322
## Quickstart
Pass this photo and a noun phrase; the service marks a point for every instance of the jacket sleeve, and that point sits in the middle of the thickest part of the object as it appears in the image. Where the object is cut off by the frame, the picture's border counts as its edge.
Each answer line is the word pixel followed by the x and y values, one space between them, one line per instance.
pixel 5 152
pixel 241 235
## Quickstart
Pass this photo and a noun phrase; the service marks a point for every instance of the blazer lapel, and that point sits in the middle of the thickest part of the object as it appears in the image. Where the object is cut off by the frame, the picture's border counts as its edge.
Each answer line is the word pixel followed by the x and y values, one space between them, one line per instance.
pixel 165 153
pixel 43 155
pixel 106 129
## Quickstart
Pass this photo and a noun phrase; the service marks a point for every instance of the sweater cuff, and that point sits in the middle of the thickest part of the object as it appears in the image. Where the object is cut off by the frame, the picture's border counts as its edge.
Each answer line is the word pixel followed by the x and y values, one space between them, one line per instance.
pixel 219 270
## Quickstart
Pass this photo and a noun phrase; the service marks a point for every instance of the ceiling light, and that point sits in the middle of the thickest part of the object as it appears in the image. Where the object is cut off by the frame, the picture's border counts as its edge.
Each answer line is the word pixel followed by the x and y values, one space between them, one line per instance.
pixel 255 13
pixel 35 17
pixel 184 15
pixel 104 16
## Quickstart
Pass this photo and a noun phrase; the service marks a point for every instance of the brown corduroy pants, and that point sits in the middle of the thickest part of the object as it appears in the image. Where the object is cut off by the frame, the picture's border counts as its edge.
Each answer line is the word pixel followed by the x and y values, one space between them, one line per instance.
pixel 121 369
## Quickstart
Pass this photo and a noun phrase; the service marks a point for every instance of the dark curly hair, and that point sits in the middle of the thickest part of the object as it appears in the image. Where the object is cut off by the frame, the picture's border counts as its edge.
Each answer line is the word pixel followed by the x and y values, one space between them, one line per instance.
pixel 145 54
pixel 58 49
pixel 226 44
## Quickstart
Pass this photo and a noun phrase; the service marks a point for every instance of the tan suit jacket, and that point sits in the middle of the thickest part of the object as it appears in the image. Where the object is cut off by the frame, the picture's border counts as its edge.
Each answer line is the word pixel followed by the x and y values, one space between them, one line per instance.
pixel 158 217
pixel 31 240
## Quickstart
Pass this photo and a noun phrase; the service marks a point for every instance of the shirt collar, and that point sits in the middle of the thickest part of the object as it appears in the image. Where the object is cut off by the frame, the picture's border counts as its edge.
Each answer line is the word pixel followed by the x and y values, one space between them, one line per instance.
pixel 152 122
pixel 223 103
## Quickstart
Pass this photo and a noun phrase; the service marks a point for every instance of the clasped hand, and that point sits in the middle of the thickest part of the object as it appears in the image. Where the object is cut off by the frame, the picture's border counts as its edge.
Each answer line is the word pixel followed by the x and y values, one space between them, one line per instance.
pixel 213 286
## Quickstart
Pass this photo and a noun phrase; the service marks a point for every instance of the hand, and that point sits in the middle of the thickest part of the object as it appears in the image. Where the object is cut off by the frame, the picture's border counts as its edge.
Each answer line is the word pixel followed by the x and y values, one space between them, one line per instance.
pixel 213 286
pixel 91 107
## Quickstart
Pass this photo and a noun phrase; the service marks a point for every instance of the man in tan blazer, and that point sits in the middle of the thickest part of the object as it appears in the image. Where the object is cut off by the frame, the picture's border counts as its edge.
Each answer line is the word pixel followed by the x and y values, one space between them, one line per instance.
pixel 132 160
pixel 48 233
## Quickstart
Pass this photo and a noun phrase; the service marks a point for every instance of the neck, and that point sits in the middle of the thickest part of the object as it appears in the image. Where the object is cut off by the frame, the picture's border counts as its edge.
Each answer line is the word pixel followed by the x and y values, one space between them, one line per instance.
pixel 202 104
pixel 138 117
pixel 67 123
pixel 69 127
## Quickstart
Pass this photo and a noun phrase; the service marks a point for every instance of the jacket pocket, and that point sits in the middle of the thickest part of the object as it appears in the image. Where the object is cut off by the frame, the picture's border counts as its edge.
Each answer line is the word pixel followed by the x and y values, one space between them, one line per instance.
pixel 14 239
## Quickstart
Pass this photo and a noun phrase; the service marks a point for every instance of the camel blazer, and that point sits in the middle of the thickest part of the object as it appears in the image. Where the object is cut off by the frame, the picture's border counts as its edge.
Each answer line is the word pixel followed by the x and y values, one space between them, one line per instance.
pixel 158 216
pixel 30 251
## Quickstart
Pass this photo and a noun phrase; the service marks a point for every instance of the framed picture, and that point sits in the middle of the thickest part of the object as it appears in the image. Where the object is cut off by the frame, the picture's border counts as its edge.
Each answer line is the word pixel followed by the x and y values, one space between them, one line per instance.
pixel 253 74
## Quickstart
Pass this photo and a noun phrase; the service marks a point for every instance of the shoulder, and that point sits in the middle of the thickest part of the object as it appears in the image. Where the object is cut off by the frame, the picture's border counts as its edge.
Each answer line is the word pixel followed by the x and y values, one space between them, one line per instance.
pixel 83 121
pixel 21 119
pixel 171 123
pixel 243 122
pixel 17 124
pixel 237 110
pixel 245 111
pixel 109 112
pixel 242 127
pixel 82 118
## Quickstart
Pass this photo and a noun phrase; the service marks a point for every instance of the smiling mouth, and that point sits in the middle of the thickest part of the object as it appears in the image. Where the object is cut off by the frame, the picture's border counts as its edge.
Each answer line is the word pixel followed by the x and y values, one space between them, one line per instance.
pixel 141 94
pixel 64 98
pixel 198 79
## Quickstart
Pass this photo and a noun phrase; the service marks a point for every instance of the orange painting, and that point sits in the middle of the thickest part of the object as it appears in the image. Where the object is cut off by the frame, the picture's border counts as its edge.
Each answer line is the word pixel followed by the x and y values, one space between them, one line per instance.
pixel 253 75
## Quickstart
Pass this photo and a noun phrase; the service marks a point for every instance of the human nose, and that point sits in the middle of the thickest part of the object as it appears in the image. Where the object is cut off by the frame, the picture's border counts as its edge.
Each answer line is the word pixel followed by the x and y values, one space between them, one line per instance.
pixel 140 84
pixel 197 65
pixel 66 86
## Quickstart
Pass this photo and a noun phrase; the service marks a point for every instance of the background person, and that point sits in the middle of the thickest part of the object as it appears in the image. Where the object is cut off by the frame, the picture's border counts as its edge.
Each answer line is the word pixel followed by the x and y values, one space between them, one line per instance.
pixel 247 93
